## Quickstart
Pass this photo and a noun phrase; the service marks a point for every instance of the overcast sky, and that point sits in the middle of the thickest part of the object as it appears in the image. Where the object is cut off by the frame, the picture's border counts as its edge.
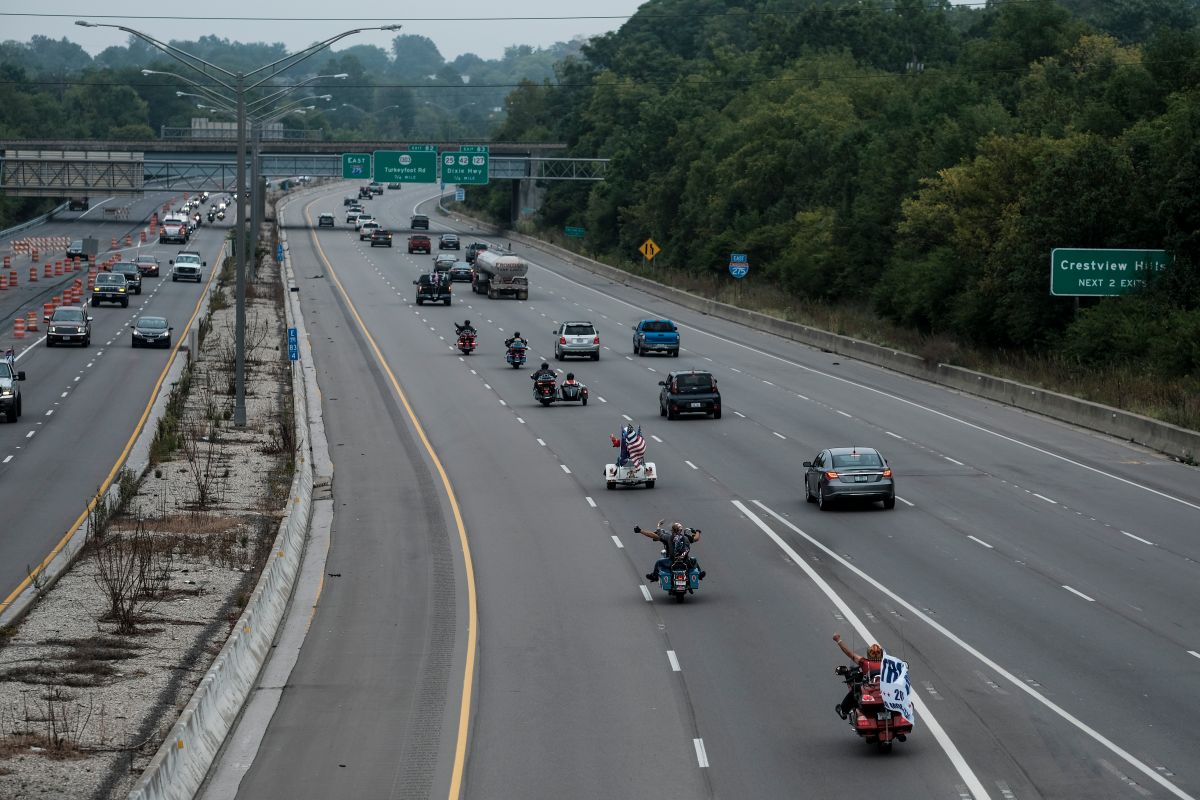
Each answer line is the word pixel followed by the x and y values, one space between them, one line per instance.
pixel 483 27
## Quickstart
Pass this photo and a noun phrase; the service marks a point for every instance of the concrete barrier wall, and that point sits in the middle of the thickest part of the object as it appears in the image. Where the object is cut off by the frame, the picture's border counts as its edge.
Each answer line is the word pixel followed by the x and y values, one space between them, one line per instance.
pixel 179 767
pixel 1173 440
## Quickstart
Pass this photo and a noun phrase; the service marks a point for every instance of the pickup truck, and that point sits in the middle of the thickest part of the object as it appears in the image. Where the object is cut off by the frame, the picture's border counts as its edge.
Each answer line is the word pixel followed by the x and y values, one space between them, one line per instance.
pixel 419 243
pixel 430 290
pixel 656 335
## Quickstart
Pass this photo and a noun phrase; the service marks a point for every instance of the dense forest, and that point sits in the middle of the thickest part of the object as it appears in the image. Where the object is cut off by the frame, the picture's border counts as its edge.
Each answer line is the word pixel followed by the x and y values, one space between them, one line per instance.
pixel 916 157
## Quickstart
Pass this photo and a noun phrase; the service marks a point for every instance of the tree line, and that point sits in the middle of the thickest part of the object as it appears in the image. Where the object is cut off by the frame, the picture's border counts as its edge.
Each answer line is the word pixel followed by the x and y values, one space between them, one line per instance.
pixel 916 156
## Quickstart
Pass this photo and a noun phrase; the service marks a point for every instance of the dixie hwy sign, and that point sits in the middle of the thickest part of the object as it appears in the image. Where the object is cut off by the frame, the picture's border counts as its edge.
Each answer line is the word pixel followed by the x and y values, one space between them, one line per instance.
pixel 1076 272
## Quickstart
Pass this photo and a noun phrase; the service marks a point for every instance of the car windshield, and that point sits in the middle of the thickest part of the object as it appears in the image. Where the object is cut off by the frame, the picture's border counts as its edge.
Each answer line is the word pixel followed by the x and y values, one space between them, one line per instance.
pixel 857 459
pixel 658 326
pixel 110 279
pixel 701 382
pixel 77 244
pixel 125 267
pixel 579 330
pixel 68 315
pixel 153 323
pixel 147 259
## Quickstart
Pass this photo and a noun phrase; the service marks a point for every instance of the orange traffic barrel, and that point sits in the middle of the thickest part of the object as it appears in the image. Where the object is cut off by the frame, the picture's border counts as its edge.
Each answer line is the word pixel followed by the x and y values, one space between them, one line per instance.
pixel 48 270
pixel 35 255
pixel 3 282
pixel 19 328
pixel 12 277
pixel 143 235
pixel 31 323
pixel 8 262
pixel 58 268
pixel 33 273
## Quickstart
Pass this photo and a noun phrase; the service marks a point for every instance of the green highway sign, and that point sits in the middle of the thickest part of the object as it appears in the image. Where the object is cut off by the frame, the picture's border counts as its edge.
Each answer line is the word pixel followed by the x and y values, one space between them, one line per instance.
pixel 405 166
pixel 356 165
pixel 473 148
pixel 422 148
pixel 578 233
pixel 1081 272
pixel 465 167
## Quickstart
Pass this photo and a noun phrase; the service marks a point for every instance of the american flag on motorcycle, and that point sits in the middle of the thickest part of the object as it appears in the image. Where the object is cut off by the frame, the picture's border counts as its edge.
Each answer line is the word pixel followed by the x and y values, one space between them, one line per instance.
pixel 633 446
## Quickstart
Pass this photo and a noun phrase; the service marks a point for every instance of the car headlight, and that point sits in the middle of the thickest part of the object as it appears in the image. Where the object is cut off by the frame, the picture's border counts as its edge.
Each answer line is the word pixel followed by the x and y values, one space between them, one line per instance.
pixel 6 392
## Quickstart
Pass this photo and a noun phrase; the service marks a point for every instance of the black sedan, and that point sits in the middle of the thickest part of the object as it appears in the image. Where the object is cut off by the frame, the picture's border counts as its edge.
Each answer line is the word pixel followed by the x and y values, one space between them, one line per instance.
pixel 152 332
pixel 846 473
pixel 460 272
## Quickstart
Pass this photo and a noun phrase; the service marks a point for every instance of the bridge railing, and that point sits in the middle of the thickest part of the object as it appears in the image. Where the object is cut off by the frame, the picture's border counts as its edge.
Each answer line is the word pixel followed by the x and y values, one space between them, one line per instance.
pixel 222 134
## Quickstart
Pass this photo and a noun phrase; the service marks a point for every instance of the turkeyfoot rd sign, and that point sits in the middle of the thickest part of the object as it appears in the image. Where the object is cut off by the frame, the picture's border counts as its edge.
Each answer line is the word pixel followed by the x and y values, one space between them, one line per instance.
pixel 415 165
pixel 1081 272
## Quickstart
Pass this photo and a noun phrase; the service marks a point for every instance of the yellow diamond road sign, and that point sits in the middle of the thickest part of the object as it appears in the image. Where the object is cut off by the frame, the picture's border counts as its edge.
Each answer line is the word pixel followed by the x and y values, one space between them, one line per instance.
pixel 650 249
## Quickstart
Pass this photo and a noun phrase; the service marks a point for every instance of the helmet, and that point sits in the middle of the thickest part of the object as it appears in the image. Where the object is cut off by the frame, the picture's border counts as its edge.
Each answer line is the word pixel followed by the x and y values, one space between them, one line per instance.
pixel 466 323
pixel 570 376
pixel 545 365
pixel 875 652
pixel 516 334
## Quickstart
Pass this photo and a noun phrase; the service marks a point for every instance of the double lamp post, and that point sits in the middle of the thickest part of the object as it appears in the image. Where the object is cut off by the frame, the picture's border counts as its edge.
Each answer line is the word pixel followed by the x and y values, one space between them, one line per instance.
pixel 239 84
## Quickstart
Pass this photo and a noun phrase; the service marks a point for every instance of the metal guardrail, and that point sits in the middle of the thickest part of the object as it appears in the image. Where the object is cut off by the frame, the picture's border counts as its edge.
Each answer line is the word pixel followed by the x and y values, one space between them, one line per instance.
pixel 33 223
pixel 221 134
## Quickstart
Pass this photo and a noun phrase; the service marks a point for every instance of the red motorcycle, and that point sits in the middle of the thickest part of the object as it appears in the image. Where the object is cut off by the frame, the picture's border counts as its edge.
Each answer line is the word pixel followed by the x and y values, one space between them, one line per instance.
pixel 466 343
pixel 871 719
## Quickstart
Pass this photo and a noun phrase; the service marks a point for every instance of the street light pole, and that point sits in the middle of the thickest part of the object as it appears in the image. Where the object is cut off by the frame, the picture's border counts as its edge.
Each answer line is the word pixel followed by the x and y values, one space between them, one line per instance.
pixel 210 71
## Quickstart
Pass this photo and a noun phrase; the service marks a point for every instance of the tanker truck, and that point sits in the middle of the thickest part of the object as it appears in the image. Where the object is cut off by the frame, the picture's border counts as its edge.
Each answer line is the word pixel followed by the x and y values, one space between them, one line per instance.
pixel 500 274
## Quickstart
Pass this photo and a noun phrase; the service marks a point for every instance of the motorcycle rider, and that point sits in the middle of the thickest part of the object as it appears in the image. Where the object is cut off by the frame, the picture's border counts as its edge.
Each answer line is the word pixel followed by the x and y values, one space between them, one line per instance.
pixel 677 542
pixel 543 373
pixel 870 664
pixel 466 328
pixel 570 381
pixel 516 337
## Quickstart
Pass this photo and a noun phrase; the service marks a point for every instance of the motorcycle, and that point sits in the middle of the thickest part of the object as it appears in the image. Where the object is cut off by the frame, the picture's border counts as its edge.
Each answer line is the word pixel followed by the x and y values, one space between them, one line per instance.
pixel 871 719
pixel 545 391
pixel 682 580
pixel 211 216
pixel 221 215
pixel 574 392
pixel 516 354
pixel 466 343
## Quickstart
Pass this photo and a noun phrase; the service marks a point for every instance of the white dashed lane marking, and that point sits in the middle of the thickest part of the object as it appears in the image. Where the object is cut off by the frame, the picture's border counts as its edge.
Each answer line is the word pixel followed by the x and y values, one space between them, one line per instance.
pixel 617 542
pixel 690 464
pixel 592 503
pixel 1079 593
pixel 980 541
pixel 655 438
pixel 565 468
pixel 7 459
pixel 645 593
pixel 674 660
pixel 701 756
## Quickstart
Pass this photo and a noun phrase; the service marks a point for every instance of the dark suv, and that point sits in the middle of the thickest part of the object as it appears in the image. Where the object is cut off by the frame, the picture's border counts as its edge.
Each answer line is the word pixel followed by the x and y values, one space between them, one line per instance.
pixel 68 325
pixel 689 392
pixel 419 222
pixel 110 287
pixel 472 250
pixel 133 275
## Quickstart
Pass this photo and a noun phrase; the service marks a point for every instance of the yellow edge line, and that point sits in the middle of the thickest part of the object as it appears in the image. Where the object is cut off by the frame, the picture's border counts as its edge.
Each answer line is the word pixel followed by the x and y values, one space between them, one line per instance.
pixel 116 466
pixel 464 714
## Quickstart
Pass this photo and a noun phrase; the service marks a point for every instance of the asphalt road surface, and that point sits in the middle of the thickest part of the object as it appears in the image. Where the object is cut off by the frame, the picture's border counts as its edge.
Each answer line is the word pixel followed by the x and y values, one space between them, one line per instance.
pixel 1039 580
pixel 82 406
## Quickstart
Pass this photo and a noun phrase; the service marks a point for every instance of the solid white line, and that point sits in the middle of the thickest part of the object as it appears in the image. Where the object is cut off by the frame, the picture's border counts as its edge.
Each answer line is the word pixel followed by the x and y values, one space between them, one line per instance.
pixel 655 438
pixel 1079 593
pixel 1043 497
pixel 894 435
pixel 617 542
pixel 740 414
pixel 882 393
pixel 645 593
pixel 907 503
pixel 565 468
pixel 7 459
pixel 980 541
pixel 954 461
pixel 917 613
pixel 843 413
pixel 539 441
pixel 701 756
pixel 1138 538
pixel 690 464
pixel 956 759
pixel 627 418
pixel 674 660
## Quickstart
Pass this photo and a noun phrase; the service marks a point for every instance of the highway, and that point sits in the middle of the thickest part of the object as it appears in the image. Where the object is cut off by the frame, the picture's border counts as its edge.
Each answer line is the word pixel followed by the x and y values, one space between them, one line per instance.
pixel 82 406
pixel 1040 580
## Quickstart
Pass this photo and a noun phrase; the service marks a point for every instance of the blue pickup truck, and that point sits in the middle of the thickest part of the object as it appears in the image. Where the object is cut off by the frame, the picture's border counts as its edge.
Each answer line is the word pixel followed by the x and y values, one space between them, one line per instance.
pixel 655 335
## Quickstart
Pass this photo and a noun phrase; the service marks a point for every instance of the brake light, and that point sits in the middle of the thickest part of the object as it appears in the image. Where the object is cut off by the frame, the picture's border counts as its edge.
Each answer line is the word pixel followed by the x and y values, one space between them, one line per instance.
pixel 562 340
pixel 596 340
pixel 831 475
pixel 887 473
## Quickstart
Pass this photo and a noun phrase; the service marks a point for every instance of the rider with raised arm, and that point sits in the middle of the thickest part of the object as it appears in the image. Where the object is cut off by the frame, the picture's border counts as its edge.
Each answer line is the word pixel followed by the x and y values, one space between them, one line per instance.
pixel 870 664
pixel 466 328
pixel 677 541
